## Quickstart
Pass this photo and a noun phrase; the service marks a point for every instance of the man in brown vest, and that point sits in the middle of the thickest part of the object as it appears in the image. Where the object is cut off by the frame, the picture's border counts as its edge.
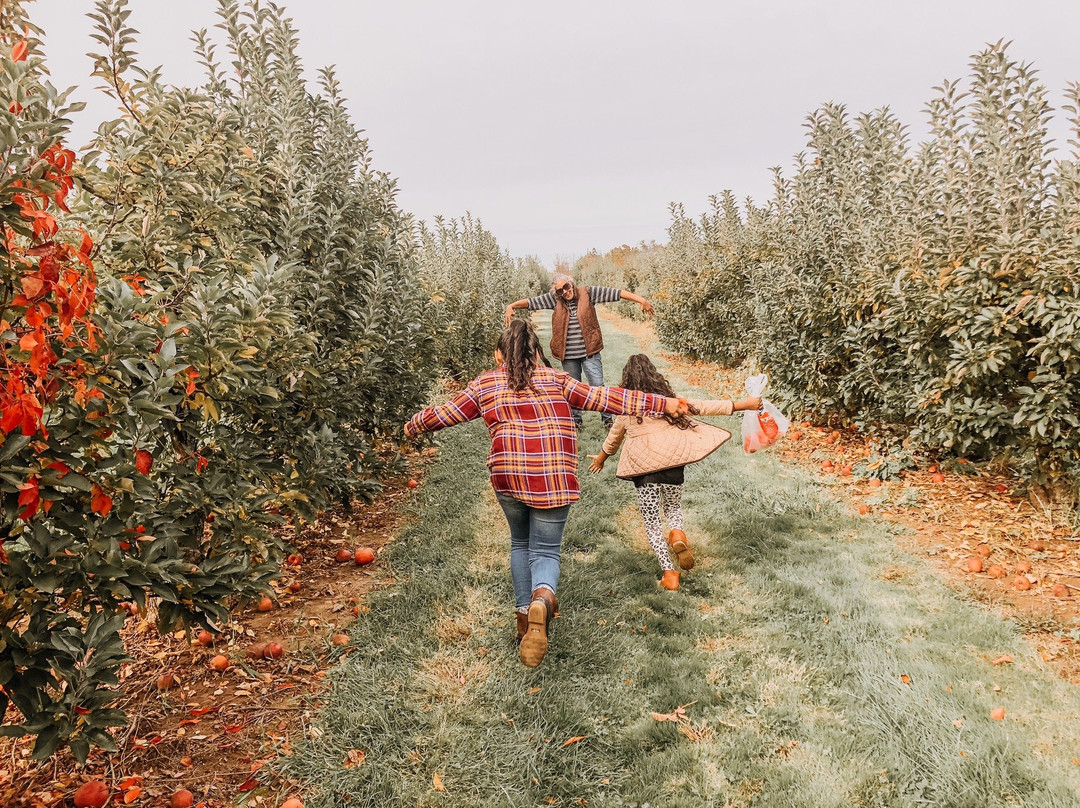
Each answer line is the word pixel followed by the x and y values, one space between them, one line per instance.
pixel 576 340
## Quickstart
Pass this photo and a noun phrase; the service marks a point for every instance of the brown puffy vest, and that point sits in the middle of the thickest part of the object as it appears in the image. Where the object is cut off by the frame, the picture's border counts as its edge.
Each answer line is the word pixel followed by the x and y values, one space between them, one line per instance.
pixel 586 316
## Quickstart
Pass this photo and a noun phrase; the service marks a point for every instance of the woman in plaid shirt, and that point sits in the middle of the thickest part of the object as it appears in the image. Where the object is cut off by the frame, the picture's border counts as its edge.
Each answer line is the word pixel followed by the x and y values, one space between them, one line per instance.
pixel 527 407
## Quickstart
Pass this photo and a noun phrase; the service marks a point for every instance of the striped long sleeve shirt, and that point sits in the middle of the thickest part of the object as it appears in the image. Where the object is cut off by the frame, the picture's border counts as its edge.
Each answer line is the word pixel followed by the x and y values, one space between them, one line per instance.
pixel 575 340
pixel 533 454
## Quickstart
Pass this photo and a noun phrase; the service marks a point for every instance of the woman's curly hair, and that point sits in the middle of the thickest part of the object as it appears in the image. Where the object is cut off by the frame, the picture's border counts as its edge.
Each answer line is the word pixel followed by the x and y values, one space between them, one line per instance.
pixel 640 373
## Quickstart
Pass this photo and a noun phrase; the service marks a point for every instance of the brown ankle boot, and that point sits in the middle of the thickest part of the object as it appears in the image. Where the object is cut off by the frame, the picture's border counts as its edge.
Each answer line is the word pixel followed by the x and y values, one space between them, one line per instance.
pixel 534 644
pixel 677 542
pixel 522 626
pixel 670 580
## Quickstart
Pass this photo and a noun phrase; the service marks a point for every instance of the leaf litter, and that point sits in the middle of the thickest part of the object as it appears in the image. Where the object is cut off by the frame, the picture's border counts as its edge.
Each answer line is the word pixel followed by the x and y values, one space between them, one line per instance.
pixel 215 732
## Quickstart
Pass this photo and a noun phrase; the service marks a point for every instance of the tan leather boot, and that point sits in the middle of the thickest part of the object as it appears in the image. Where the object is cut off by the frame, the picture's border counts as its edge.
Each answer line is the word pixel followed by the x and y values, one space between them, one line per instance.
pixel 670 580
pixel 522 626
pixel 677 542
pixel 534 644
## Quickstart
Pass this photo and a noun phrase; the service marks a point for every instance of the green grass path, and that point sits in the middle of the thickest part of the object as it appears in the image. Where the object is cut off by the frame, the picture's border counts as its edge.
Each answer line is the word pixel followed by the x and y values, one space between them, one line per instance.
pixel 788 643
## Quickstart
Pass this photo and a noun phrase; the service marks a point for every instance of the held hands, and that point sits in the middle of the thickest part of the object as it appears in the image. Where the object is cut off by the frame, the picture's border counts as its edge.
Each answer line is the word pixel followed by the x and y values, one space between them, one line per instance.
pixel 676 407
pixel 748 403
pixel 597 464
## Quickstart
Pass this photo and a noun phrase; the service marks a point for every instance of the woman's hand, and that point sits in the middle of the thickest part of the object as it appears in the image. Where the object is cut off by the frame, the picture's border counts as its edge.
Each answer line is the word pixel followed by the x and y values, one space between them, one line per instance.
pixel 646 306
pixel 509 315
pixel 597 464
pixel 676 407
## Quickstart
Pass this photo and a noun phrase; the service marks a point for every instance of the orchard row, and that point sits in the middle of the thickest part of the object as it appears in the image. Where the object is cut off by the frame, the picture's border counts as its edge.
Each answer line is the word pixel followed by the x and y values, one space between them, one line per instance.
pixel 214 320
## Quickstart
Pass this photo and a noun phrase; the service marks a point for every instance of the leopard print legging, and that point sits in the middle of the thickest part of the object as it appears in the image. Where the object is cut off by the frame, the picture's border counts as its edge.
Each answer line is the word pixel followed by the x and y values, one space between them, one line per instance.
pixel 651 499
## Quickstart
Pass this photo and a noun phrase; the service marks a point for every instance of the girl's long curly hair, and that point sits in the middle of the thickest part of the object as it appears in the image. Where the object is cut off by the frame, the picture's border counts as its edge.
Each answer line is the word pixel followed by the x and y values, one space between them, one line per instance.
pixel 640 373
pixel 522 352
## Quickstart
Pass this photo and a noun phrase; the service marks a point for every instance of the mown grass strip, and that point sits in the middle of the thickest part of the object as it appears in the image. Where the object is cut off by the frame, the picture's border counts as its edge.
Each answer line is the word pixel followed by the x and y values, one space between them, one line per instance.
pixel 788 642
pixel 822 622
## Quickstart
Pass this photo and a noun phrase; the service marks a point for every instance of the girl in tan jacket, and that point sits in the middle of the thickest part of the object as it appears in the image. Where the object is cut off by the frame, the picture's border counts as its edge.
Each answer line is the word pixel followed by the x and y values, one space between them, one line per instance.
pixel 657 449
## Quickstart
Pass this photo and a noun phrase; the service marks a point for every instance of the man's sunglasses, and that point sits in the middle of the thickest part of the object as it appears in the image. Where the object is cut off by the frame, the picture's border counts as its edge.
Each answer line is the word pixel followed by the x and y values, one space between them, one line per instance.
pixel 566 287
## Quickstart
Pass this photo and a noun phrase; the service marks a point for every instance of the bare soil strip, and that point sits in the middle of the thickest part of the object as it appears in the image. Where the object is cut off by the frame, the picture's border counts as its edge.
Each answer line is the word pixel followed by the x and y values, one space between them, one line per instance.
pixel 214 732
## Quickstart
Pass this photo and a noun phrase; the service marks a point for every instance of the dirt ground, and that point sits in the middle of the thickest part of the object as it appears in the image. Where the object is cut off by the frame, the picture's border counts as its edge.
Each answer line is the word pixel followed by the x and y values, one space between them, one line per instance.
pixel 969 512
pixel 212 732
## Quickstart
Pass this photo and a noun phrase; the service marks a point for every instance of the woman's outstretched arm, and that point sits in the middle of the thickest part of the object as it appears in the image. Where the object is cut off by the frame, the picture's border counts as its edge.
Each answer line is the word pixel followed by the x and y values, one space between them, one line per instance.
pixel 465 406
pixel 723 406
pixel 618 401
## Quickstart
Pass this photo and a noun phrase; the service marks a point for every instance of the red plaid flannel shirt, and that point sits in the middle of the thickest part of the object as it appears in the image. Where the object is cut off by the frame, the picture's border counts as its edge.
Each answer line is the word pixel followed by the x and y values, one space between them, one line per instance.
pixel 533 438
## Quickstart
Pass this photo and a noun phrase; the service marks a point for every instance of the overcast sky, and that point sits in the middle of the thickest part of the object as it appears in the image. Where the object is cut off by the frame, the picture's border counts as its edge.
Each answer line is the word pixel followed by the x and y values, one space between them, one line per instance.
pixel 571 124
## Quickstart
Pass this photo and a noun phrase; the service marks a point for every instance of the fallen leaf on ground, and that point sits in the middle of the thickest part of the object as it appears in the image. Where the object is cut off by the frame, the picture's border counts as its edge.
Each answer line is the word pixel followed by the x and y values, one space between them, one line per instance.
pixel 678 715
pixel 355 757
pixel 436 783
pixel 575 739
pixel 1002 660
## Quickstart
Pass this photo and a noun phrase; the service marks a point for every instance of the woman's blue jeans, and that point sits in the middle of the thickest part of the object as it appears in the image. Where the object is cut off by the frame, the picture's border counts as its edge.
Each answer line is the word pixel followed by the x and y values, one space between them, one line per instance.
pixel 593 369
pixel 535 546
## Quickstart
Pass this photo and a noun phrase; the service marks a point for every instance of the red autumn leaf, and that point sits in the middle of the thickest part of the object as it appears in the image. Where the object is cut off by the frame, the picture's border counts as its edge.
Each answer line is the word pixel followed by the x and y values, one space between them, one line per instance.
pixel 100 503
pixel 248 785
pixel 45 225
pixel 203 710
pixel 19 51
pixel 32 285
pixel 130 781
pixel 12 418
pixel 86 244
pixel 29 498
pixel 234 727
pixel 81 710
pixel 131 795
pixel 62 468
pixel 575 739
pixel 144 461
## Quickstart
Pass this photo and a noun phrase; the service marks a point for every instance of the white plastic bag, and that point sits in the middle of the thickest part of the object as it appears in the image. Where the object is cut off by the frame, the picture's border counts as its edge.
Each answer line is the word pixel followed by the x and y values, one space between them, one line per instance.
pixel 764 427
